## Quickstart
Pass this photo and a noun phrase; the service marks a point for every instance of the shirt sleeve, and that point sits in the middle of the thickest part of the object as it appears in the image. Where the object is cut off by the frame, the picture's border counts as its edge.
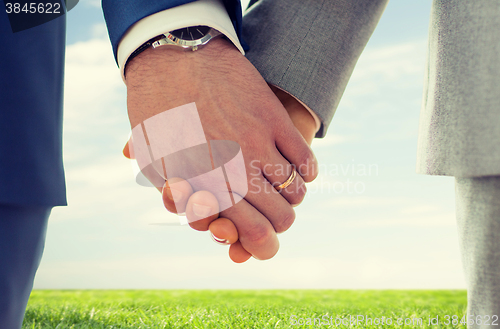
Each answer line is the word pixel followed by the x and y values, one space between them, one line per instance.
pixel 202 12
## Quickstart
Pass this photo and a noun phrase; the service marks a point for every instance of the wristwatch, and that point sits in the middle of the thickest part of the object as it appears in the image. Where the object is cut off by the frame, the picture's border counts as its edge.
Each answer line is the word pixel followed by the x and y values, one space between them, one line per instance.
pixel 191 38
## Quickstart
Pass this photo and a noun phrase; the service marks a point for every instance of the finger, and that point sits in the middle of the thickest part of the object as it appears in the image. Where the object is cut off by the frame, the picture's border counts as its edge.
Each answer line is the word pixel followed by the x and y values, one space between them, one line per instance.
pixel 149 171
pixel 264 197
pixel 238 254
pixel 295 192
pixel 294 148
pixel 128 150
pixel 202 208
pixel 255 232
pixel 300 116
pixel 175 195
pixel 278 171
pixel 224 230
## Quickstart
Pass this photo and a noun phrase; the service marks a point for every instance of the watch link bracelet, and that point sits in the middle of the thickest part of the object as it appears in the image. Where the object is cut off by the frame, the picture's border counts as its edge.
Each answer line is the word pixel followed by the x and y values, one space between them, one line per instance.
pixel 192 37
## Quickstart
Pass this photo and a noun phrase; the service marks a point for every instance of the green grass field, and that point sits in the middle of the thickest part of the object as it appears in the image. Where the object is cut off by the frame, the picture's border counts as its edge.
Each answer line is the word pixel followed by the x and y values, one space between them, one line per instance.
pixel 244 309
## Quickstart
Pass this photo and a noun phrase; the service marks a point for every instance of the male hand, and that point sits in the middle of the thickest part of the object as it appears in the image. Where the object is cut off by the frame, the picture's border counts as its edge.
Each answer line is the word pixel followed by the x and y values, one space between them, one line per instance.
pixel 222 229
pixel 234 103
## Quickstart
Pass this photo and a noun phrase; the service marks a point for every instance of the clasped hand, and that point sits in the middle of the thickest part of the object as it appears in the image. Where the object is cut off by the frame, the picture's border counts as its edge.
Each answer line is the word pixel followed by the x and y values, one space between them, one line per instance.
pixel 234 103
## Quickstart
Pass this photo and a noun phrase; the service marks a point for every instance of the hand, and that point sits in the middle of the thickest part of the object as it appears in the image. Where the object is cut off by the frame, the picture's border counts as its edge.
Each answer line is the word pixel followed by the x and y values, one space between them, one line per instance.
pixel 300 116
pixel 234 103
pixel 222 228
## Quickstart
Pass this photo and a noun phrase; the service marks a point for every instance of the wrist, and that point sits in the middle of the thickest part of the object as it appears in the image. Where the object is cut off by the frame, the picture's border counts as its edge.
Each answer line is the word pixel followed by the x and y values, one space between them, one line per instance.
pixel 151 60
pixel 172 77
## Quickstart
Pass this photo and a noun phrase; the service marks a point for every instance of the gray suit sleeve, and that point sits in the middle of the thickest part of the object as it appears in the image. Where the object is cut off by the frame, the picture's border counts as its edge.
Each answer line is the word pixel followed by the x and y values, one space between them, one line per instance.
pixel 309 47
pixel 459 132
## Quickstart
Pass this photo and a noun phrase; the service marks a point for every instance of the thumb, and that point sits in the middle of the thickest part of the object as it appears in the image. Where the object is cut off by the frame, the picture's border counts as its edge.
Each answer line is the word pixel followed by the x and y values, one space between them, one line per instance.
pixel 128 150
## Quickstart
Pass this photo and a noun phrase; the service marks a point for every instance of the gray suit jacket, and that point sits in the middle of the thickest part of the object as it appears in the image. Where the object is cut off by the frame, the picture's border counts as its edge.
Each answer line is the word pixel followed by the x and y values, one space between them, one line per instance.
pixel 460 119
pixel 311 47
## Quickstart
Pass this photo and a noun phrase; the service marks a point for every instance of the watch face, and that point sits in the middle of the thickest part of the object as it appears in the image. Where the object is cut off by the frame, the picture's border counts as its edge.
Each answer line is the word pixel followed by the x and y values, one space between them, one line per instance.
pixel 191 33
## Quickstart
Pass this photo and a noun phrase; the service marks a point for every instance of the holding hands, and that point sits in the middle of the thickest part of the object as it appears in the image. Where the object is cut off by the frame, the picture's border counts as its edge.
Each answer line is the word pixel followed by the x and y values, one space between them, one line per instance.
pixel 234 103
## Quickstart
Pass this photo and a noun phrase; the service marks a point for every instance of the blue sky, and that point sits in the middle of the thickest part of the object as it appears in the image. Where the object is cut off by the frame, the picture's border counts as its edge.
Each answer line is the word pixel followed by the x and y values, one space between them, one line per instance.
pixel 377 226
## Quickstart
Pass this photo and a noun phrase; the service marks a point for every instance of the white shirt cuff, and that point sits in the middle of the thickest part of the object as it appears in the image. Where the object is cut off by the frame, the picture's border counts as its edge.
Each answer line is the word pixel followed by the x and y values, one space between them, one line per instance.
pixel 202 12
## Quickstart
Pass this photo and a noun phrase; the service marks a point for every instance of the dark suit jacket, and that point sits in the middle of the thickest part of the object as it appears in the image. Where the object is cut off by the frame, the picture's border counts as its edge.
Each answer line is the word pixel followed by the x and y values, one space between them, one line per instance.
pixel 31 97
pixel 31 78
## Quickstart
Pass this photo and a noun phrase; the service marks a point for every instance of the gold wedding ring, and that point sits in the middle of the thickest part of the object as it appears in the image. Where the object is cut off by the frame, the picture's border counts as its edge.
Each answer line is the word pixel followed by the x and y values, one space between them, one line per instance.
pixel 218 240
pixel 288 182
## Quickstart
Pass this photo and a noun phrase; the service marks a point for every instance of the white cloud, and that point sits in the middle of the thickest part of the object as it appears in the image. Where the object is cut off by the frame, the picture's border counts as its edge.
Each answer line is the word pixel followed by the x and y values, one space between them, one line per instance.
pixel 332 139
pixel 194 272
pixel 398 67
pixel 420 209
pixel 384 92
pixel 392 63
pixel 430 221
pixel 99 31
pixel 364 201
pixel 92 3
pixel 389 211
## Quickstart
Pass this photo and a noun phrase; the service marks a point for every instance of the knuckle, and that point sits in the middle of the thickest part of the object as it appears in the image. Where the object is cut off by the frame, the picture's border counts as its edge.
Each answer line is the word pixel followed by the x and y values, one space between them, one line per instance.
pixel 285 220
pixel 306 165
pixel 295 194
pixel 259 235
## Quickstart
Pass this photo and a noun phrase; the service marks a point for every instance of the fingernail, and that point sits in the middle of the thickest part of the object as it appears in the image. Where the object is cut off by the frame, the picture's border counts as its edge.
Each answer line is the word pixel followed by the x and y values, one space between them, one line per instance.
pixel 176 195
pixel 219 241
pixel 201 211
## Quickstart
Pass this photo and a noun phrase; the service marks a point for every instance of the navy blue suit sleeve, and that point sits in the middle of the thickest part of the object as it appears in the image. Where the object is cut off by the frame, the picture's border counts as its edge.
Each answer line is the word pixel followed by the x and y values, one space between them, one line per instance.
pixel 121 15
pixel 31 100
